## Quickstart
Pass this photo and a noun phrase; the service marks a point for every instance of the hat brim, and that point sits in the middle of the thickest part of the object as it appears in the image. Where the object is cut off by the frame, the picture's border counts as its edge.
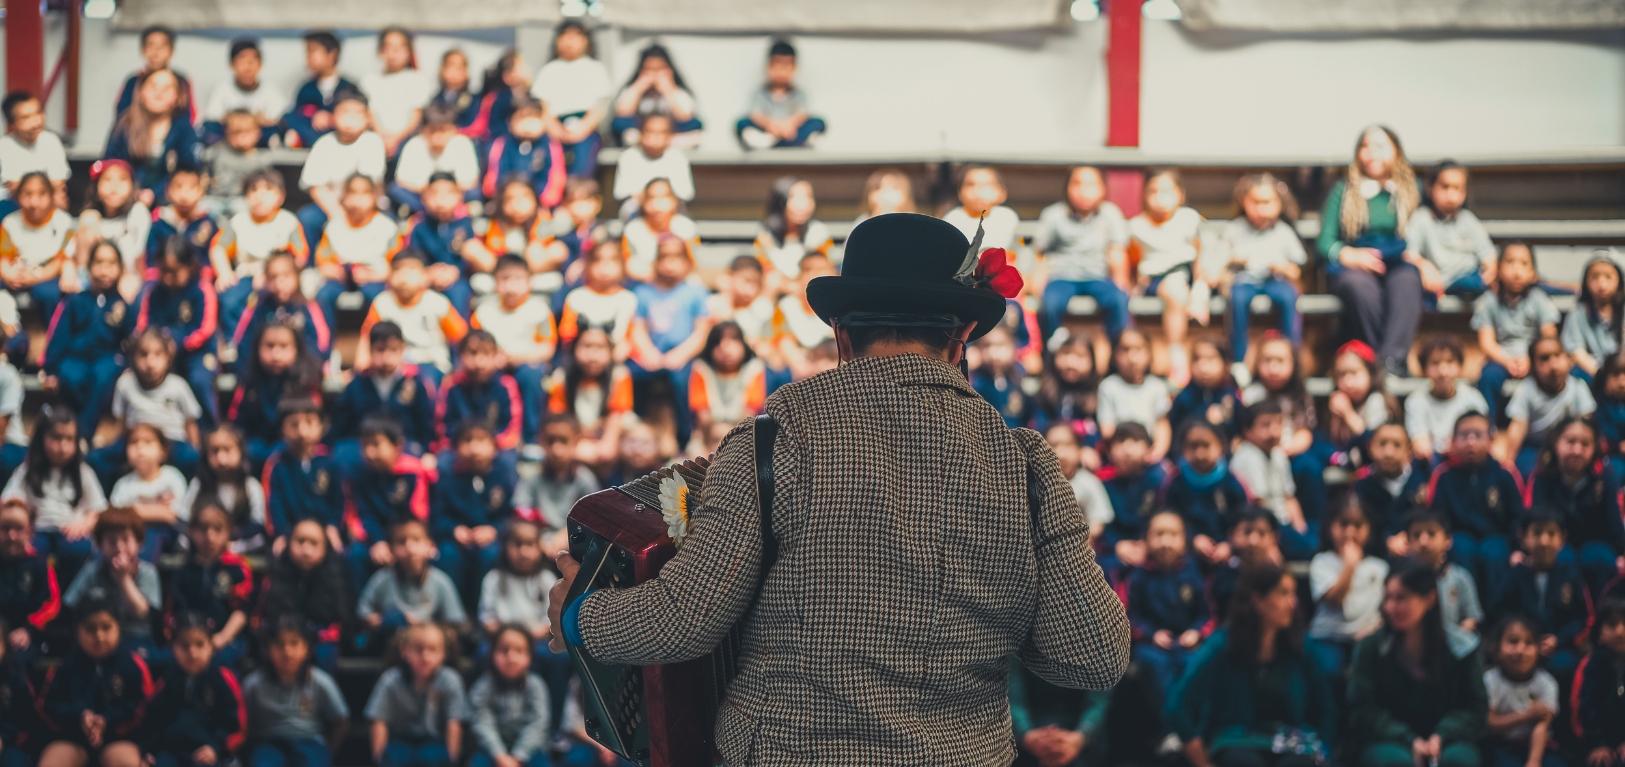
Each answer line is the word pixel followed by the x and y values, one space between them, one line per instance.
pixel 831 297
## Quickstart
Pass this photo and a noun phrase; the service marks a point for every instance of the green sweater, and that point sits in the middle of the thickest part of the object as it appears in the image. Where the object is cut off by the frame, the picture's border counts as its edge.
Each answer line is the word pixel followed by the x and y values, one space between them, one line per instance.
pixel 1388 705
pixel 1035 703
pixel 1380 215
pixel 1227 702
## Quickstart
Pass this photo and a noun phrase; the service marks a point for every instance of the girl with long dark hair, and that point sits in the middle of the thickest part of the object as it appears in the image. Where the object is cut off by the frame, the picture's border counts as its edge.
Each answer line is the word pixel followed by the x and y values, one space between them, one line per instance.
pixel 656 88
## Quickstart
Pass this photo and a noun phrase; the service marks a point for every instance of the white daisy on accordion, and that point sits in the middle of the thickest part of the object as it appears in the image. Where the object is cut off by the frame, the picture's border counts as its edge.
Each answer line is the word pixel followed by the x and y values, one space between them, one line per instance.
pixel 674 507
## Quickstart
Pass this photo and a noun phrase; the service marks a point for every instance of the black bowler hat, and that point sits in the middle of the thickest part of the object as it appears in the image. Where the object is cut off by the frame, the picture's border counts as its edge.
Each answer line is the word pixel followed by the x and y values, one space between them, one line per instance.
pixel 906 264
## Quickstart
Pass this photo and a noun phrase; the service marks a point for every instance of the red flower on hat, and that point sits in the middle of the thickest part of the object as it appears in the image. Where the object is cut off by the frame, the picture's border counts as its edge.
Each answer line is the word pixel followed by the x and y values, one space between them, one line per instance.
pixel 993 270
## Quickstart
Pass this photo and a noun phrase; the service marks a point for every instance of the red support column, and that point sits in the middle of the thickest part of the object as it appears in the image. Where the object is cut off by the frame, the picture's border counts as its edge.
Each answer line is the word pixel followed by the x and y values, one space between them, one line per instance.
pixel 25 45
pixel 70 108
pixel 1123 73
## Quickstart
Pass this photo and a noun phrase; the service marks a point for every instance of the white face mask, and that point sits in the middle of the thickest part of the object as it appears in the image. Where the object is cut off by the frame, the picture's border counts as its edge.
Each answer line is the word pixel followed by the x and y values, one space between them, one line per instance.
pixel 1166 200
pixel 890 198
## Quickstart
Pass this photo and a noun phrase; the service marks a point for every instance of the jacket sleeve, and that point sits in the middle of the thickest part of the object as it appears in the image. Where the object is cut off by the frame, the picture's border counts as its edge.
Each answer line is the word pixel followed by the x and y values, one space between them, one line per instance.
pixel 1591 703
pixel 124 717
pixel 58 334
pixel 1369 721
pixel 707 586
pixel 229 718
pixel 1466 722
pixel 1577 617
pixel 1080 633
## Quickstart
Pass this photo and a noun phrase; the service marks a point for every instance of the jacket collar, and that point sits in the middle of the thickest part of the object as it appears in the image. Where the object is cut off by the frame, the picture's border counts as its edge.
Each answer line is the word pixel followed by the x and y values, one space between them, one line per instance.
pixel 910 370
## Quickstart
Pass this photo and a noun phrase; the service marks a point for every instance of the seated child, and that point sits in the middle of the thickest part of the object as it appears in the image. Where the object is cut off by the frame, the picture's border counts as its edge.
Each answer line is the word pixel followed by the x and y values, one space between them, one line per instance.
pixel 520 227
pixel 1543 400
pixel 510 706
pixel 1203 491
pixel 94 699
pixel 19 719
pixel 308 590
pixel 213 587
pixel 1167 605
pixel 29 591
pixel 472 498
pixel 389 486
pixel 728 382
pixel 1082 243
pixel 351 149
pixel 84 348
pixel 36 242
pixel 1264 256
pixel 603 301
pixel 1548 590
pixel 982 194
pixel 119 577
pixel 522 326
pixel 279 369
pixel 1278 377
pixel 594 389
pixel 429 323
pixel 183 304
pixel 281 302
pixel 418 708
pixel 1599 708
pixel 1430 414
pixel 60 490
pixel 1390 488
pixel 244 92
pixel 527 151
pixel 1590 333
pixel 1162 241
pixel 1132 395
pixel 998 377
pixel 196 715
pixel 778 115
pixel 799 330
pixel 389 387
pixel 563 479
pixel 1427 539
pixel 409 592
pixel 790 231
pixel 307 733
pixel 1447 241
pixel 437 148
pixel 316 100
pixel 445 234
pixel 1358 405
pixel 481 390
pixel 1572 483
pixel 1263 469
pixel 1212 395
pixel 301 480
pixel 224 477
pixel 1509 319
pixel 743 302
pixel 149 394
pixel 152 489
pixel 356 249
pixel 660 217
pixel 1346 584
pixel 184 216
pixel 669 329
pixel 515 592
pixel 116 213
pixel 1479 499
pixel 230 162
pixel 652 158
pixel 1255 537
pixel 1091 494
pixel 1132 482
pixel 1523 698
pixel 247 240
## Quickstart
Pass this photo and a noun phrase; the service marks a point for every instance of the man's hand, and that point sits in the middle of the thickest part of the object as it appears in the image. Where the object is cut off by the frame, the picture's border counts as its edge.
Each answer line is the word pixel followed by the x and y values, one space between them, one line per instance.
pixel 1548 645
pixel 1600 757
pixel 1068 745
pixel 1042 743
pixel 555 600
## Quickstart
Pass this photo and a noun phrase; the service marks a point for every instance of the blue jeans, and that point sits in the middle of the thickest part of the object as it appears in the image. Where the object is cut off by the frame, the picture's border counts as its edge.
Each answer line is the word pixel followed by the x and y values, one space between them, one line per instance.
pixel 403 754
pixel 110 462
pixel 1490 382
pixel 233 303
pixel 809 127
pixel 314 220
pixel 467 566
pixel 1471 286
pixel 70 555
pixel 642 378
pixel 87 387
pixel 1112 300
pixel 619 125
pixel 1282 294
pixel 199 368
pixel 532 397
pixel 1488 559
pixel 327 298
pixel 581 159
pixel 281 752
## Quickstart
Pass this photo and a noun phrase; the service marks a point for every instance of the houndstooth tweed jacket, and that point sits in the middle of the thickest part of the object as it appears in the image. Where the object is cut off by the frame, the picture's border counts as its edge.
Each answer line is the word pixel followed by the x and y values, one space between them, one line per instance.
pixel 922 543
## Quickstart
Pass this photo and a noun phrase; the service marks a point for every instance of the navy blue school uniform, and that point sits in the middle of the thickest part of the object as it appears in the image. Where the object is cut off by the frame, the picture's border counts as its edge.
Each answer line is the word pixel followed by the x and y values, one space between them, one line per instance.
pixel 1610 420
pixel 1562 609
pixel 541 161
pixel 84 349
pixel 410 402
pixel 30 596
pixel 1004 393
pixel 1221 586
pixel 188 713
pixel 1205 502
pixel 1482 503
pixel 1591 517
pixel 181 147
pixel 213 591
pixel 1195 402
pixel 254 410
pixel 190 314
pixel 464 102
pixel 491 113
pixel 116 687
pixel 299 490
pixel 18 718
pixel 1134 500
pixel 377 501
pixel 1172 600
pixel 126 94
pixel 1599 710
pixel 497 402
pixel 1385 510
pixel 466 499
pixel 262 309
pixel 442 242
pixel 307 102
pixel 167 223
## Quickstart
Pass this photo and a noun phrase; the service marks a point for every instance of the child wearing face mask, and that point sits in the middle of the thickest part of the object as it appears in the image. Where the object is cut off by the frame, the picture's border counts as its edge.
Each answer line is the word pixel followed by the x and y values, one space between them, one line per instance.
pixel 1592 331
pixel 1264 256
pixel 1082 243
pixel 981 204
pixel 1447 242
pixel 652 158
pixel 1164 245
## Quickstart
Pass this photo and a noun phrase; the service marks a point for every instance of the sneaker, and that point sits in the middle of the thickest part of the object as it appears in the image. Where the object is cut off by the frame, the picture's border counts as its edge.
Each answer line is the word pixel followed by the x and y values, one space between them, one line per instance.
pixel 1170 745
pixel 1397 367
pixel 756 138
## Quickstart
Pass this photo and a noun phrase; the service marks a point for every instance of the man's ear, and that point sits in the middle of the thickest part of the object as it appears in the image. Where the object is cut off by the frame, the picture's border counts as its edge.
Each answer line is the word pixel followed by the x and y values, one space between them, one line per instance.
pixel 956 350
pixel 843 342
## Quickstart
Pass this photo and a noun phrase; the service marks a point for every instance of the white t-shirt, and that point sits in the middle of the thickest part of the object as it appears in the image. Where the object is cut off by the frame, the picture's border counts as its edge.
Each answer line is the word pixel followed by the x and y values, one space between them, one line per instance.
pixel 11 402
pixel 421 326
pixel 416 164
pixel 264 101
pixel 1424 414
pixel 1532 405
pixel 37 245
pixel 1510 697
pixel 46 154
pixel 786 257
pixel 54 508
pixel 1122 402
pixel 167 407
pixel 1167 246
pixel 521 331
pixel 1267 478
pixel 369 244
pixel 394 96
pixel 1276 246
pixel 641 244
pixel 803 324
pixel 227 496
pixel 248 243
pixel 584 306
pixel 998 231
pixel 1361 612
pixel 634 170
pixel 168 487
pixel 1097 505
pixel 330 162
pixel 570 87
pixel 129 233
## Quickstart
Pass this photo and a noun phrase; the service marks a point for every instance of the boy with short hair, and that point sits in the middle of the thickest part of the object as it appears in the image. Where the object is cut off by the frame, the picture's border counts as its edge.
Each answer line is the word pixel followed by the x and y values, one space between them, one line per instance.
pixel 438 148
pixel 1427 539
pixel 388 487
pixel 185 215
pixel 232 161
pixel 777 115
pixel 472 499
pixel 482 390
pixel 95 697
pixel 744 302
pixel 301 480
pixel 1551 592
pixel 410 591
pixel 1083 242
pixel 670 327
pixel 30 597
pixel 28 147
pixel 390 387
pixel 157 50
pixel 547 497
pixel 215 584
pixel 445 233
pixel 1392 486
pixel 523 327
pixel 1168 612
pixel 429 323
pixel 1430 414
pixel 1542 401
pixel 244 92
pixel 1479 498
pixel 1263 468
pixel 1455 246
pixel 312 114
pixel 653 157
pixel 1132 483
pixel 350 148
pixel 527 151
pixel 120 578
pixel 1255 536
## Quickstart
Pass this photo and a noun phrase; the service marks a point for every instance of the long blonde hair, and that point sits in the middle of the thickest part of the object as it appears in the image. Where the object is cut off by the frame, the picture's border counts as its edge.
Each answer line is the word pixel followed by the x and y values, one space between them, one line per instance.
pixel 137 122
pixel 1404 198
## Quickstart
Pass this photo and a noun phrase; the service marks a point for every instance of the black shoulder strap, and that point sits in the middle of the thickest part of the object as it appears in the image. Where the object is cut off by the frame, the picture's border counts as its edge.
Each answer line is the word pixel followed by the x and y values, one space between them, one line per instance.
pixel 766 432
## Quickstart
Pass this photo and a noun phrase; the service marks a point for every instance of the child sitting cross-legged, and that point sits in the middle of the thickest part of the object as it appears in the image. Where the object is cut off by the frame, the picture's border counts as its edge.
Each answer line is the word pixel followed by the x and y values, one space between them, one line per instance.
pixel 1427 540
pixel 1600 697
pixel 418 708
pixel 1167 604
pixel 1509 319
pixel 307 588
pixel 1479 498
pixel 30 596
pixel 121 578
pixel 481 389
pixel 472 498
pixel 301 480
pixel 213 586
pixel 429 323
pixel 1523 698
pixel 389 386
pixel 1390 488
pixel 196 717
pixel 296 714
pixel 389 486
pixel 1347 586
pixel 1542 401
pixel 93 700
pixel 1430 414
pixel 148 394
pixel 510 706
pixel 1133 482
pixel 1203 490
pixel 409 592
pixel 1550 591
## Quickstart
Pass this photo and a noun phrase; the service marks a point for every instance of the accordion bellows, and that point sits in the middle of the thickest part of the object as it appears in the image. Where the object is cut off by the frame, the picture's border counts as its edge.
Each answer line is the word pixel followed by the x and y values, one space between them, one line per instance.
pixel 653 716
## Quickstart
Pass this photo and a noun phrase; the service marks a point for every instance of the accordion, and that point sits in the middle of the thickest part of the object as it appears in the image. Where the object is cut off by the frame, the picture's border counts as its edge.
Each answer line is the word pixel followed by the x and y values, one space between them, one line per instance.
pixel 653 716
